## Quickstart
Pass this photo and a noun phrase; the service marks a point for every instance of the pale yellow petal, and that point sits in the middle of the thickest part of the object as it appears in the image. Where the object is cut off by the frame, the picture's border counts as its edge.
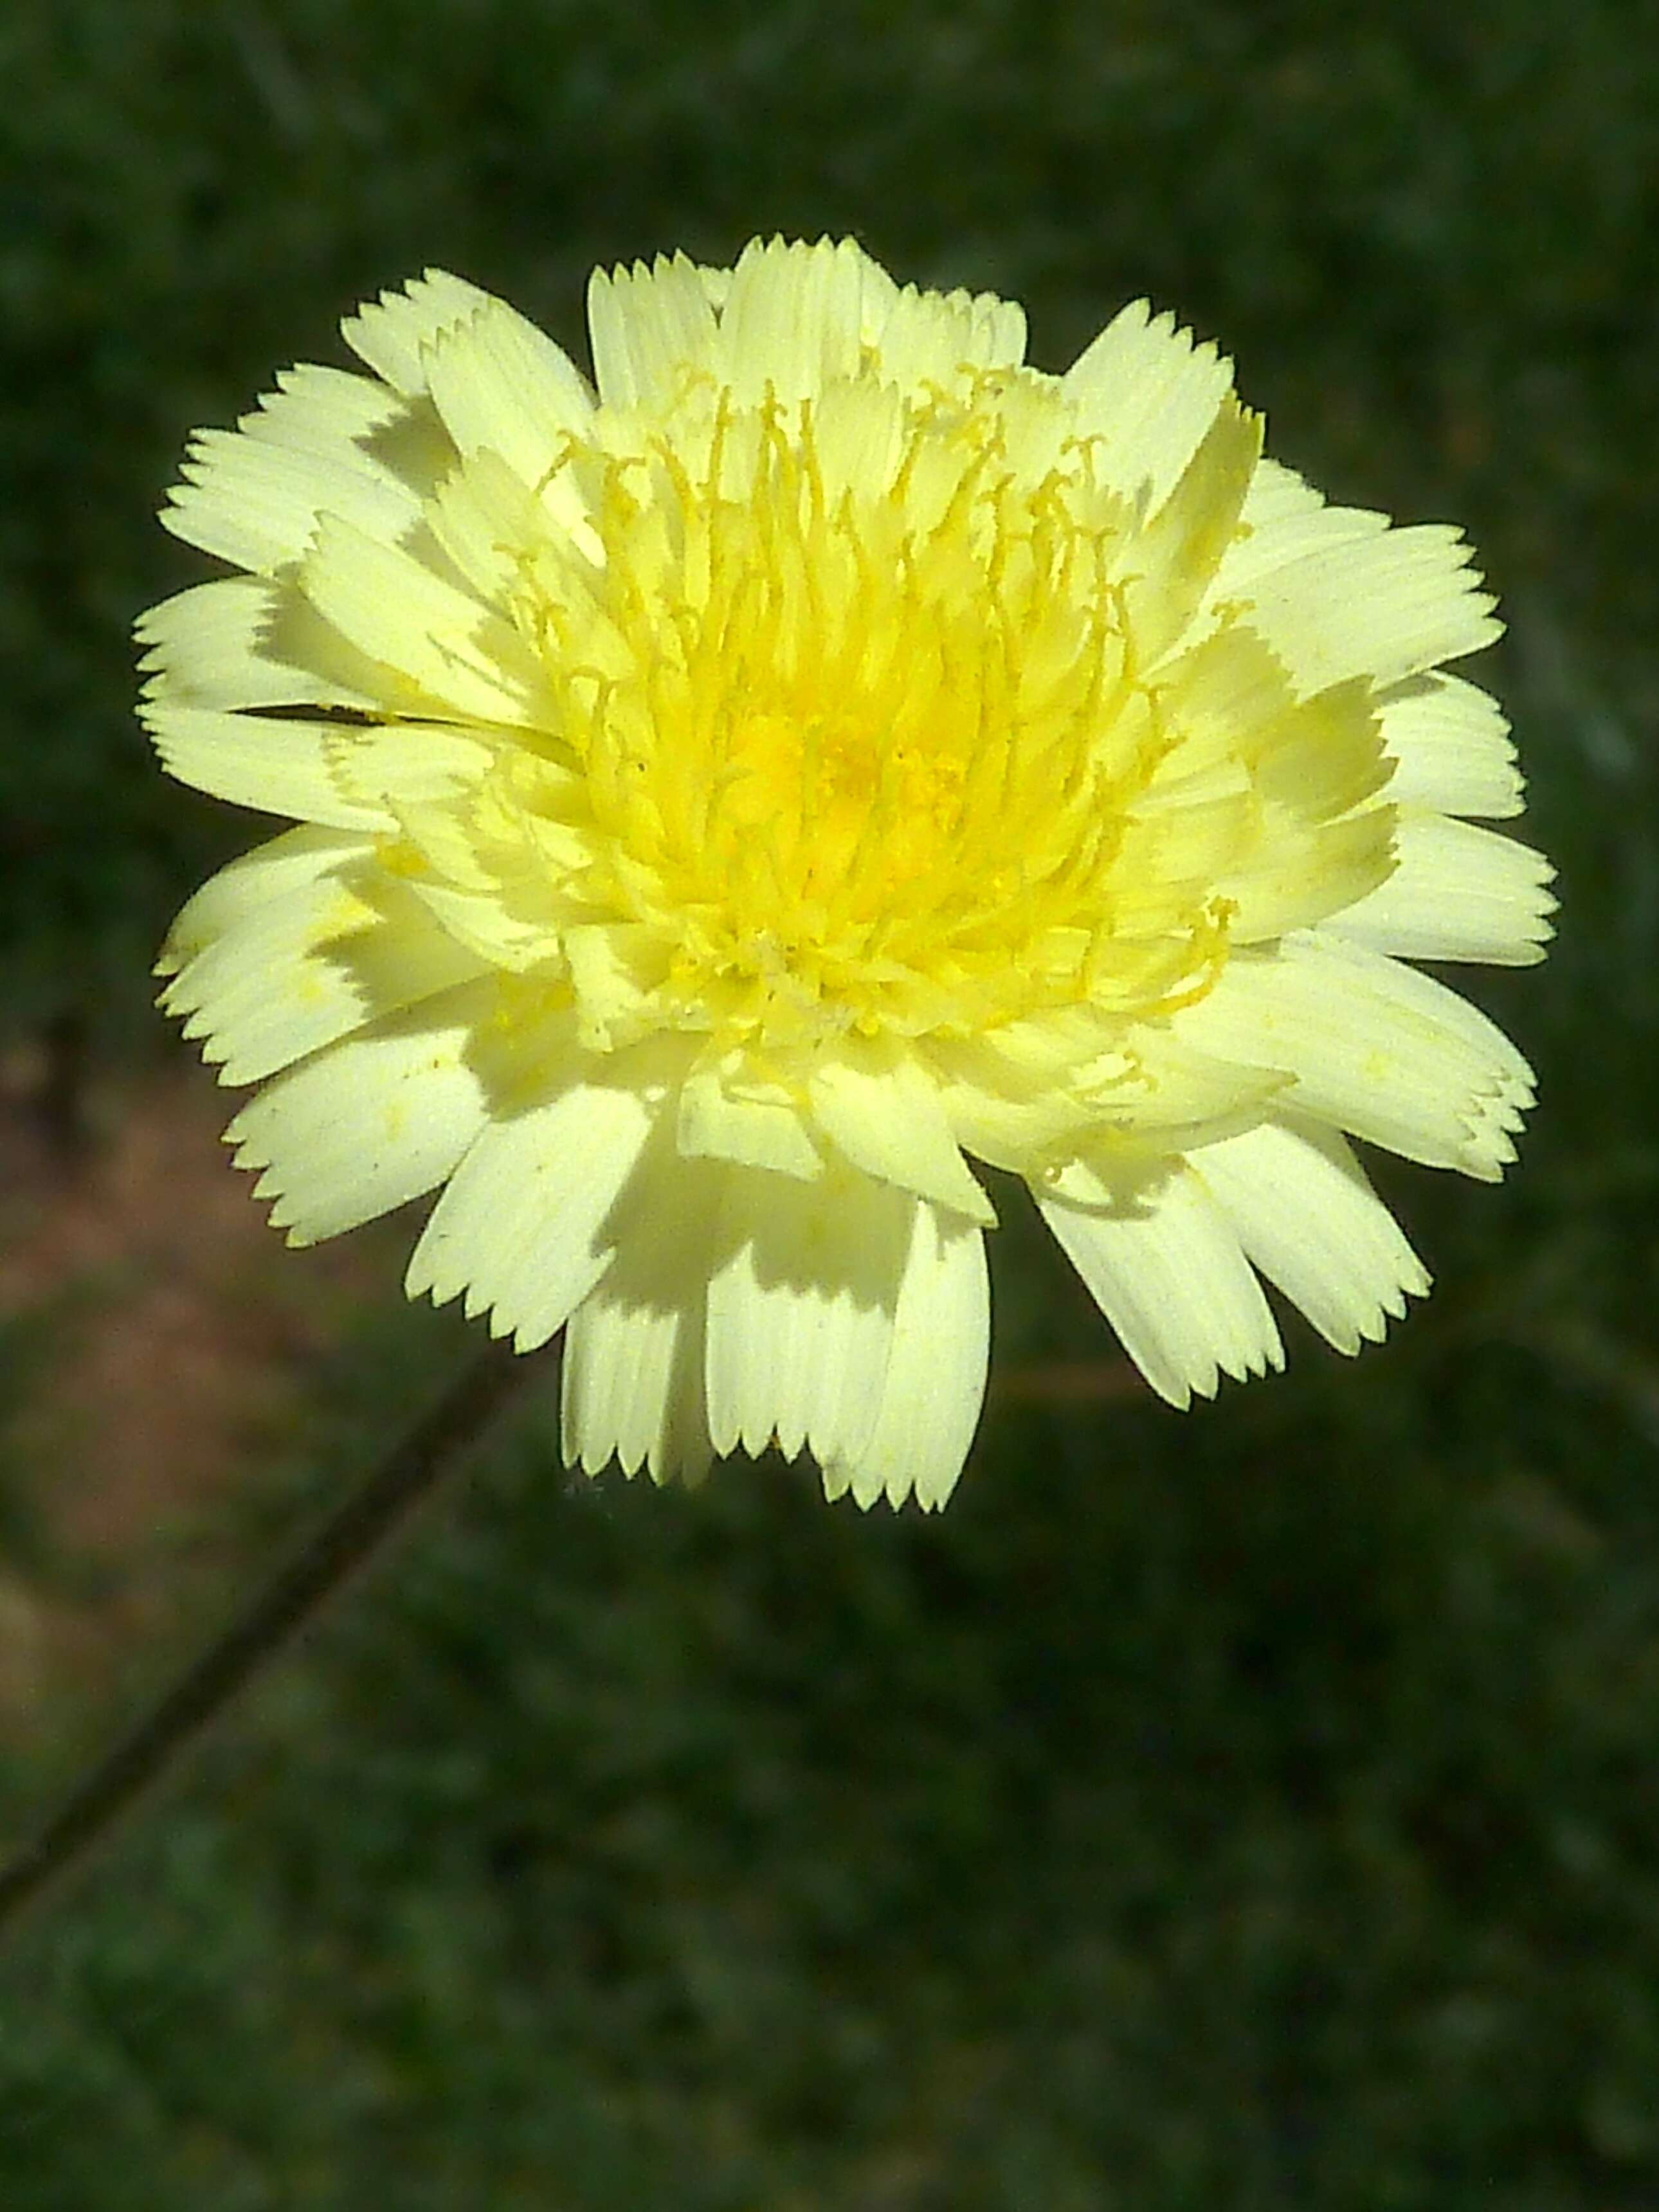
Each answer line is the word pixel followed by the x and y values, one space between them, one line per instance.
pixel 935 1372
pixel 995 1116
pixel 373 1121
pixel 395 766
pixel 879 1107
pixel 392 333
pixel 1146 396
pixel 616 968
pixel 632 1386
pixel 493 924
pixel 793 318
pixel 438 648
pixel 297 860
pixel 1385 605
pixel 648 326
pixel 934 337
pixel 1167 565
pixel 717 1123
pixel 253 496
pixel 485 517
pixel 247 641
pixel 1450 744
pixel 801 1311
pixel 278 764
pixel 1376 1047
pixel 501 385
pixel 1170 1084
pixel 1227 703
pixel 1307 873
pixel 521 1228
pixel 290 969
pixel 1015 1107
pixel 634 1352
pixel 1308 1219
pixel 1283 520
pixel 1456 893
pixel 1165 1266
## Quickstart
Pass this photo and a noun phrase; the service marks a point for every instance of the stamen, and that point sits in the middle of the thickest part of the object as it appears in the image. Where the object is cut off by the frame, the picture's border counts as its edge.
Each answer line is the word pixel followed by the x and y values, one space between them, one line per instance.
pixel 880 742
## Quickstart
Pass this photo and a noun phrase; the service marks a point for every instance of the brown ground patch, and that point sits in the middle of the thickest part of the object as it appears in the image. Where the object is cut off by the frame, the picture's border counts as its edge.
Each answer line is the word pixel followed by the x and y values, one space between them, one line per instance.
pixel 160 1335
pixel 165 1337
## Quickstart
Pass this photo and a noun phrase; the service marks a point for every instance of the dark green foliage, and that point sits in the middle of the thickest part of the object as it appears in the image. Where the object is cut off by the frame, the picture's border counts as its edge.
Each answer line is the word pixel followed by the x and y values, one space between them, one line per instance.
pixel 1280 1833
pixel 1251 1812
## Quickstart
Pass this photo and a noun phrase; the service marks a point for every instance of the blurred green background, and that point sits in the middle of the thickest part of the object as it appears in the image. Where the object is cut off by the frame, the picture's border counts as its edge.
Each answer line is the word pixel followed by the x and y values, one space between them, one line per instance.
pixel 1253 1809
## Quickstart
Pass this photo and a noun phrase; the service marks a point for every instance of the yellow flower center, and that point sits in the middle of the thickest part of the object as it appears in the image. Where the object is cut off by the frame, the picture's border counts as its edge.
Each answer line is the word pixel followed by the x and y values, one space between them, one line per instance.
pixel 856 705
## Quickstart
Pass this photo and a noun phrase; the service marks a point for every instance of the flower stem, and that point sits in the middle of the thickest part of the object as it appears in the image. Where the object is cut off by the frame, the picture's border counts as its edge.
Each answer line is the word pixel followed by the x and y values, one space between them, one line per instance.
pixel 348 1538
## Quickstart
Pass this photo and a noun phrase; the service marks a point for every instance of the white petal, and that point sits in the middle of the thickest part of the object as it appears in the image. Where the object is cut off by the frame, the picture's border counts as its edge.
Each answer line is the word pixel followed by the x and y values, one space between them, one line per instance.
pixel 1166 1269
pixel 503 386
pixel 1385 605
pixel 935 1376
pixel 1451 745
pixel 879 1107
pixel 1456 893
pixel 253 495
pixel 646 326
pixel 801 1311
pixel 392 334
pixel 1146 395
pixel 1376 1047
pixel 290 971
pixel 1309 1219
pixel 436 645
pixel 372 1122
pixel 280 765
pixel 634 1352
pixel 520 1226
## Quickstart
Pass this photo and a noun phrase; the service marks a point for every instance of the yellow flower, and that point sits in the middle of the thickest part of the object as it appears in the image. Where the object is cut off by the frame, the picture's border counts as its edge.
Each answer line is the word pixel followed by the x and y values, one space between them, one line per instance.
pixel 734 795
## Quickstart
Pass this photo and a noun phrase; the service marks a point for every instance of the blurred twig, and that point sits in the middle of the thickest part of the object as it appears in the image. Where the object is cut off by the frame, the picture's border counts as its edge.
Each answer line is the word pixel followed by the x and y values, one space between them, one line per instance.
pixel 293 1598
pixel 1067 1383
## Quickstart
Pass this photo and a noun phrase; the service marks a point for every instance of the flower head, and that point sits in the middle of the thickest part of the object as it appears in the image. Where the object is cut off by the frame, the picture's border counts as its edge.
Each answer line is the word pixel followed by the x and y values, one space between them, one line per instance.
pixel 735 795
